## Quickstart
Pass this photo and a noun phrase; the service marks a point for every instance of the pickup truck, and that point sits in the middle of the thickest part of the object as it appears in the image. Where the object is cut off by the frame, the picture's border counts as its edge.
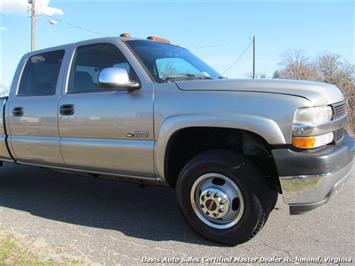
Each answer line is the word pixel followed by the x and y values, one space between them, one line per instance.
pixel 151 111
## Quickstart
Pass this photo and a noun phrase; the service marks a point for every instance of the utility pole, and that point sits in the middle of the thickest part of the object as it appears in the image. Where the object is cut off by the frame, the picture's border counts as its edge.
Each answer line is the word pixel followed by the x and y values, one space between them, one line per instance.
pixel 33 24
pixel 254 57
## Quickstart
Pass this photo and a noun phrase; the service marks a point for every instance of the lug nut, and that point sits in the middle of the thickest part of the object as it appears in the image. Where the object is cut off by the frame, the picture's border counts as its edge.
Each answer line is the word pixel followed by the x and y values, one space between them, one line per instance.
pixel 216 195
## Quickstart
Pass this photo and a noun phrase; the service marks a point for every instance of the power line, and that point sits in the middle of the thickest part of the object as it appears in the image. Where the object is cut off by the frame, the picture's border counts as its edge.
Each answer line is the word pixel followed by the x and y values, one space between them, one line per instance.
pixel 211 45
pixel 105 35
pixel 78 26
pixel 238 59
pixel 13 19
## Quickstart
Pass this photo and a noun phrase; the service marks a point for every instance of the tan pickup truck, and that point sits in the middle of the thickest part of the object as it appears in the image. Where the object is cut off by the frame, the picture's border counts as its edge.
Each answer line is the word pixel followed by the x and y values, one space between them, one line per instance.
pixel 151 111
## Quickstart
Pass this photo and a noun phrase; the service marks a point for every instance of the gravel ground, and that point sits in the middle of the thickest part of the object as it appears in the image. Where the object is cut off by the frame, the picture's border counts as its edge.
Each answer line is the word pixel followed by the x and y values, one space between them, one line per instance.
pixel 116 223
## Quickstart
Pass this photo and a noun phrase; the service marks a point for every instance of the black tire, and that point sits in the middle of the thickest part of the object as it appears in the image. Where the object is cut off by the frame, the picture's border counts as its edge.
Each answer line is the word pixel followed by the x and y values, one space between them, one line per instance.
pixel 259 200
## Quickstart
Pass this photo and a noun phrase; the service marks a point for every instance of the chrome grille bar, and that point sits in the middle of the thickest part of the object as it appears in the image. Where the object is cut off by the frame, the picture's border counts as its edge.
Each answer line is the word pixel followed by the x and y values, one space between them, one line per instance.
pixel 339 110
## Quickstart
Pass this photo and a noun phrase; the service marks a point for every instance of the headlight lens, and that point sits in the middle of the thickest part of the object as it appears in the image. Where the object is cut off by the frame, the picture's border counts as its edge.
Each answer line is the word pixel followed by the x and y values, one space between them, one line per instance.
pixel 313 115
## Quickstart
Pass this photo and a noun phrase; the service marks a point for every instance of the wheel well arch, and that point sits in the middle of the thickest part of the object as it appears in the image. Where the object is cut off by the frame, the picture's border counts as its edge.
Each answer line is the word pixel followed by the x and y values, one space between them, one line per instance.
pixel 187 142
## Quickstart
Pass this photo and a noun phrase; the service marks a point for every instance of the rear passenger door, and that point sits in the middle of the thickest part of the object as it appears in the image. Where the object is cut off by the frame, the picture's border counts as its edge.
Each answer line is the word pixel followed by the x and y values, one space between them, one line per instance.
pixel 32 111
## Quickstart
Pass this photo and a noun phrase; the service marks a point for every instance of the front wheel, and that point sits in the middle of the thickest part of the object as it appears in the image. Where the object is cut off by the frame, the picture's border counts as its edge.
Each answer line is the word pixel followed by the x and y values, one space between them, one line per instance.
pixel 224 197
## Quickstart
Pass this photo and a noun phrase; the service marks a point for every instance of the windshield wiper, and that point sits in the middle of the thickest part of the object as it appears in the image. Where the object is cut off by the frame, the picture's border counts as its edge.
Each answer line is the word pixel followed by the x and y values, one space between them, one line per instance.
pixel 187 76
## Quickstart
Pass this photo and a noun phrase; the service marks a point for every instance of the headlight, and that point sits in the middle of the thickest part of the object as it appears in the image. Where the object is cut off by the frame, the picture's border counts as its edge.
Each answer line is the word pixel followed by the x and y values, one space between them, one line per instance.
pixel 313 115
pixel 309 117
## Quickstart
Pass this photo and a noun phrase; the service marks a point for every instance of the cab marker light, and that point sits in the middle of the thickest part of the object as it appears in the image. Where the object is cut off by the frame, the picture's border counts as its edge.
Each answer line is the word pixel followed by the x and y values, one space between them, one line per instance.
pixel 158 39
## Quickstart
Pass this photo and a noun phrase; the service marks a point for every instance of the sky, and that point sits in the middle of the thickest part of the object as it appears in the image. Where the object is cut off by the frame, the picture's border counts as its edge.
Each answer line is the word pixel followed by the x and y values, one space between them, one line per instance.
pixel 216 31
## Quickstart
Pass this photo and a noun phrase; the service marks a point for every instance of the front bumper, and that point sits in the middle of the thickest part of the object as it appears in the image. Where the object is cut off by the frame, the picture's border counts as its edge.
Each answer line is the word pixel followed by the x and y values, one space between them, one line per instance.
pixel 309 178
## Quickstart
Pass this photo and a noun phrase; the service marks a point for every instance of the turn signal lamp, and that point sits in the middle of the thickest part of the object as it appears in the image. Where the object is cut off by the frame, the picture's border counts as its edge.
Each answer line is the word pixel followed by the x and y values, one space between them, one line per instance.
pixel 313 141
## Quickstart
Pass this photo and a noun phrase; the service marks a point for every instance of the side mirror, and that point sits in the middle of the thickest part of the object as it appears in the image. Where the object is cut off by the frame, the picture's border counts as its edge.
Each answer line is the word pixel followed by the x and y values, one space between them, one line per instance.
pixel 115 77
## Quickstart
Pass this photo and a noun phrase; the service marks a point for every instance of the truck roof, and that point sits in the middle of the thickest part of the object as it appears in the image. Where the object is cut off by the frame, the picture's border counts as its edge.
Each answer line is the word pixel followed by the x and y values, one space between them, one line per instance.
pixel 89 41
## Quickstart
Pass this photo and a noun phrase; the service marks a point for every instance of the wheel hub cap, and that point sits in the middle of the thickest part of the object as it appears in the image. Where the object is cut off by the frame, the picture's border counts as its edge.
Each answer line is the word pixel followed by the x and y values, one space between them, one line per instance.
pixel 214 203
pixel 217 200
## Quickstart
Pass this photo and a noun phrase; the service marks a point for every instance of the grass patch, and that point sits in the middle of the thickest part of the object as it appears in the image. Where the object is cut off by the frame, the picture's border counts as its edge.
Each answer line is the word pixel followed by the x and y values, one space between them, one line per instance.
pixel 19 252
pixel 7 245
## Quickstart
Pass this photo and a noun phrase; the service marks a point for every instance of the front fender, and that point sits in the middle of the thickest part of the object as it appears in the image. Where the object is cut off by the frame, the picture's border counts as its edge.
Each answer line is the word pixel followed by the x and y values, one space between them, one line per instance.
pixel 262 126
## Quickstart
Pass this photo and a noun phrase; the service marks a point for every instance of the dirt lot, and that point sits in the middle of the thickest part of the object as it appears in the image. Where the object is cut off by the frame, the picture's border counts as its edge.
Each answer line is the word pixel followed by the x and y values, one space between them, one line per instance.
pixel 69 219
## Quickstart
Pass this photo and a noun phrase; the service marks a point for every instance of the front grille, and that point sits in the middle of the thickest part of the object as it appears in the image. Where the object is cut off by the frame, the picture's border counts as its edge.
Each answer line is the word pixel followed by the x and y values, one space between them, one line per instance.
pixel 338 135
pixel 339 110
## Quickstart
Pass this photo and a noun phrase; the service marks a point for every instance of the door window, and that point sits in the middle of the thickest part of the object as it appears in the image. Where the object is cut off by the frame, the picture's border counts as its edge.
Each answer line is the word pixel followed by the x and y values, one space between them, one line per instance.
pixel 40 75
pixel 89 61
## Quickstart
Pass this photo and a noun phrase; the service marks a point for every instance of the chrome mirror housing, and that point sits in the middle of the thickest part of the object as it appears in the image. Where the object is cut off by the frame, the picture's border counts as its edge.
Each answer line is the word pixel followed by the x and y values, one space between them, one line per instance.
pixel 114 77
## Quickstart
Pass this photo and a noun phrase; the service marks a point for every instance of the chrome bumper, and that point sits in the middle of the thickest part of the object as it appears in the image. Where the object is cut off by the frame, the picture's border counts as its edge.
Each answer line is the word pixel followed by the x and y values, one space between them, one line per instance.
pixel 306 192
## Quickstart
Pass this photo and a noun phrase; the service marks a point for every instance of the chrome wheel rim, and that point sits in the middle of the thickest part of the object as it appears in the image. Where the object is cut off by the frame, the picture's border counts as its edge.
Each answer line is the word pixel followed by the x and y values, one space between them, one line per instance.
pixel 217 201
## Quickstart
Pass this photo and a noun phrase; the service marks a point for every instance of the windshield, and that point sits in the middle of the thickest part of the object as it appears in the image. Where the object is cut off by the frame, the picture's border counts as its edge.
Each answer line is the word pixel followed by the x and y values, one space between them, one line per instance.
pixel 166 62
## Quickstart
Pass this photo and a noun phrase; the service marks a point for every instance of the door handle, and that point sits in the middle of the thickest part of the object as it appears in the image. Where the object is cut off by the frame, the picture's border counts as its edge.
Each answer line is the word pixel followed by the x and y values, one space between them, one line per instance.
pixel 67 109
pixel 17 111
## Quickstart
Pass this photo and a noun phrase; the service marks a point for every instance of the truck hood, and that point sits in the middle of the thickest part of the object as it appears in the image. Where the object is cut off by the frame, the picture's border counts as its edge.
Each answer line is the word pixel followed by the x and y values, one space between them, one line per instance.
pixel 318 93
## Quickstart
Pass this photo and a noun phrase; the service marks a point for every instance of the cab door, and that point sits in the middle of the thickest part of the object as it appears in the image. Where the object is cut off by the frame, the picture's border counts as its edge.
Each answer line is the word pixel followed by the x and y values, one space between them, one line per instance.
pixel 32 119
pixel 105 130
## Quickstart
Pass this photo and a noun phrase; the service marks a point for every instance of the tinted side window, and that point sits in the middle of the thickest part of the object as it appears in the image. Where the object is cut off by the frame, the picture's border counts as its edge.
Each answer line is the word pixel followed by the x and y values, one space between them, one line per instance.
pixel 41 73
pixel 89 61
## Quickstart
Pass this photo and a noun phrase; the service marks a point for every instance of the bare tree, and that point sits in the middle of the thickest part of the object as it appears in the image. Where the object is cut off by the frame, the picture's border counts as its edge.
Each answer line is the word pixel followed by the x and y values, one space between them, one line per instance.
pixel 333 70
pixel 296 65
pixel 327 68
